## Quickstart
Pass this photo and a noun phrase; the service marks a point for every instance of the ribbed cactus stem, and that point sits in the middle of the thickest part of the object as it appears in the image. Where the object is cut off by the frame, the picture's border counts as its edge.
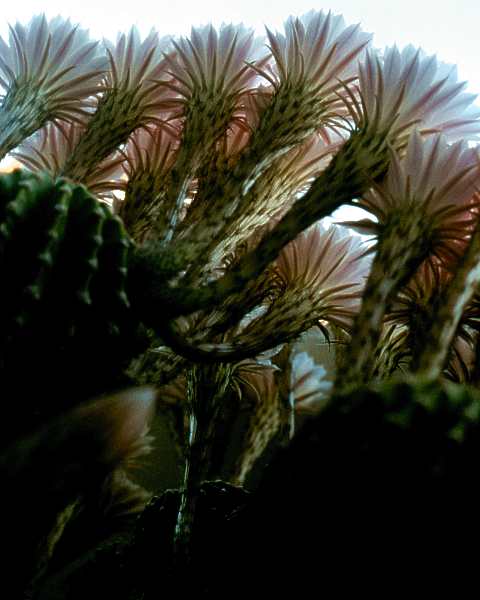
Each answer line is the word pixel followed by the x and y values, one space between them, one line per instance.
pixel 444 324
pixel 63 256
pixel 22 112
pixel 402 247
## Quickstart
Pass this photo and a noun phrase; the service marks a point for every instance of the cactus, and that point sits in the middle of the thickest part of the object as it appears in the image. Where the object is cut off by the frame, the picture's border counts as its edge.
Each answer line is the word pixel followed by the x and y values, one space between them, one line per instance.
pixel 59 247
pixel 63 263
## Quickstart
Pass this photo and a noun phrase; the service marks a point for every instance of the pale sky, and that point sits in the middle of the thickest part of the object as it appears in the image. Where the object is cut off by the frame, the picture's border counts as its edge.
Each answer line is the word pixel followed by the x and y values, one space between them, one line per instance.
pixel 449 29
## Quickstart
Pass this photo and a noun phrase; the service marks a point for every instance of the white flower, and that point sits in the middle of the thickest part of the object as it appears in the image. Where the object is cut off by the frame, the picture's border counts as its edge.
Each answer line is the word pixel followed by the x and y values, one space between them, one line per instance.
pixel 56 56
pixel 327 266
pixel 320 275
pixel 409 89
pixel 314 60
pixel 139 67
pixel 47 69
pixel 437 178
pixel 214 62
pixel 133 98
pixel 211 75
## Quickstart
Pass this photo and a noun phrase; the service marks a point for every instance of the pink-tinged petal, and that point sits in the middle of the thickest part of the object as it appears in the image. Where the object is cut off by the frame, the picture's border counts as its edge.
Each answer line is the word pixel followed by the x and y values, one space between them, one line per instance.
pixel 44 54
pixel 152 150
pixel 308 387
pixel 317 49
pixel 321 274
pixel 135 64
pixel 409 89
pixel 215 60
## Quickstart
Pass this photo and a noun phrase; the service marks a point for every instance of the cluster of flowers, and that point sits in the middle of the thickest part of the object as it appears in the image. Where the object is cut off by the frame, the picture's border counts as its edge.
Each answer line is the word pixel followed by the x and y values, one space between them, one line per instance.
pixel 222 152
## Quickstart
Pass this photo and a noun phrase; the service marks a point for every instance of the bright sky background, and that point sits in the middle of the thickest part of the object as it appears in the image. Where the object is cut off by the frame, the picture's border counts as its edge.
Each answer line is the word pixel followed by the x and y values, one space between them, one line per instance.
pixel 449 29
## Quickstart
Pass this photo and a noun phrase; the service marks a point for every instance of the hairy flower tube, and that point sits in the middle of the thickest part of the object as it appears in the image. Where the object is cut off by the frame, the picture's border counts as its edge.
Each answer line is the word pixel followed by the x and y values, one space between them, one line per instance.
pixel 150 154
pixel 320 275
pixel 308 62
pixel 423 208
pixel 48 70
pixel 50 147
pixel 211 73
pixel 133 97
pixel 430 100
pixel 269 199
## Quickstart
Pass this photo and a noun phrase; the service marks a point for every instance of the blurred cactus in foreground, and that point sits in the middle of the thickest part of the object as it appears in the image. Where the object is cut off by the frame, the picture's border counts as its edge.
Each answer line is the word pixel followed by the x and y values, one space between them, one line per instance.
pixel 172 227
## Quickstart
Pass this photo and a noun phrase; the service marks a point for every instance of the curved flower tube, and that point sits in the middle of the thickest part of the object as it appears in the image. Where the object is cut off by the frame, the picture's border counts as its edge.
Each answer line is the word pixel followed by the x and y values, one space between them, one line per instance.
pixel 48 70
pixel 133 97
pixel 424 205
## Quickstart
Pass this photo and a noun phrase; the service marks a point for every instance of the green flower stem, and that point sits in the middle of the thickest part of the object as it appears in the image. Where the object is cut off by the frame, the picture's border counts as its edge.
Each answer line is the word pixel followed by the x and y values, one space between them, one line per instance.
pixel 22 112
pixel 463 286
pixel 208 114
pixel 140 207
pixel 155 200
pixel 290 117
pixel 402 247
pixel 362 158
pixel 206 388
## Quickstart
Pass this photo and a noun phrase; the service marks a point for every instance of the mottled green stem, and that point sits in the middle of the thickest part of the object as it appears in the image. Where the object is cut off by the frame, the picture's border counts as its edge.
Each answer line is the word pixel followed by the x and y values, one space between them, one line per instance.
pixel 174 196
pixel 444 324
pixel 206 388
pixel 22 112
pixel 362 158
pixel 207 116
pixel 188 498
pixel 402 247
pixel 118 114
pixel 141 204
pixel 290 117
